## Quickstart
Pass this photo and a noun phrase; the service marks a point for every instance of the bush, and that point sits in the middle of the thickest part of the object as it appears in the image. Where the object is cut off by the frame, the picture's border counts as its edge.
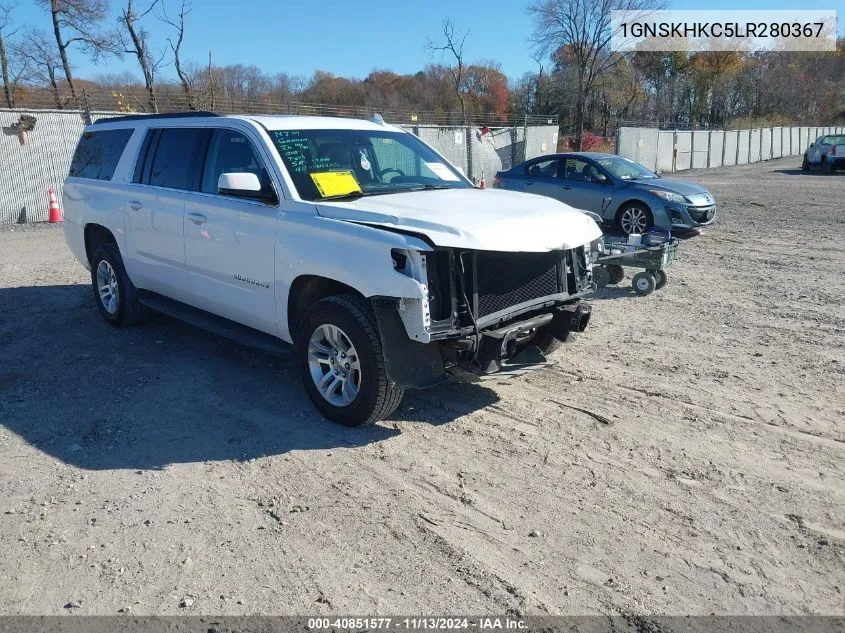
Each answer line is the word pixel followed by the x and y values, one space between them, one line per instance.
pixel 591 141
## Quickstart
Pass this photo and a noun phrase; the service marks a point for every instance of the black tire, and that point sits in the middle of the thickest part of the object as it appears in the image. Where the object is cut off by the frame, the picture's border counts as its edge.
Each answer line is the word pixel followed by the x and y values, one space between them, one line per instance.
pixel 805 164
pixel 544 340
pixel 377 397
pixel 660 278
pixel 643 283
pixel 827 166
pixel 129 310
pixel 601 276
pixel 617 273
pixel 634 208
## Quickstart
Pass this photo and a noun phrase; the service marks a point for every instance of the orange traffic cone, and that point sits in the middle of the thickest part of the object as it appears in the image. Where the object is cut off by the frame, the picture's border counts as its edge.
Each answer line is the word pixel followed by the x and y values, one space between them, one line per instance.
pixel 55 210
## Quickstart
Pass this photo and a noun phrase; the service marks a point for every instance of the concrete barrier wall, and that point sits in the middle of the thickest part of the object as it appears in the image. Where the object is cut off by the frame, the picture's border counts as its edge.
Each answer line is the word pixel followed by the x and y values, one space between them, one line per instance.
pixel 717 142
pixel 754 146
pixel 683 144
pixel 640 145
pixel 677 150
pixel 766 144
pixel 700 149
pixel 664 160
pixel 729 152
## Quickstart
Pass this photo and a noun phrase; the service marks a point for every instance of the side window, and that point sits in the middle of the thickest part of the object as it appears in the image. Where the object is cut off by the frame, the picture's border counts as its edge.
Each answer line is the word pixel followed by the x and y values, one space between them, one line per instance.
pixel 173 161
pixel 98 153
pixel 544 169
pixel 231 152
pixel 579 170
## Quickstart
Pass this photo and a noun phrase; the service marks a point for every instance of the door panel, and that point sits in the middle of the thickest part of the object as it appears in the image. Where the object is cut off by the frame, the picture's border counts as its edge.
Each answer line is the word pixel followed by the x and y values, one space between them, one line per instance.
pixel 155 206
pixel 229 250
pixel 582 192
pixel 542 178
pixel 814 154
pixel 230 241
pixel 155 238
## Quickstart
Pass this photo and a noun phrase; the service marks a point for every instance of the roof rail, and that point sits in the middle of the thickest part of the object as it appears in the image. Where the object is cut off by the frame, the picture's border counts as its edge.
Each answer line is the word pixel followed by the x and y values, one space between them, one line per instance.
pixel 148 117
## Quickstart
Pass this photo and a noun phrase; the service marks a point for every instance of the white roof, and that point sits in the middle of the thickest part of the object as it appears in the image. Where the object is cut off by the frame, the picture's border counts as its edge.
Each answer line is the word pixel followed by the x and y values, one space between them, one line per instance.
pixel 271 122
pixel 300 122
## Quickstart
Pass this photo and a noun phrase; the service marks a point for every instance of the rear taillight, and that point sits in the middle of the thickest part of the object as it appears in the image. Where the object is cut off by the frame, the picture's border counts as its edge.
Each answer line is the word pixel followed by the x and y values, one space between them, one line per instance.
pixel 497 182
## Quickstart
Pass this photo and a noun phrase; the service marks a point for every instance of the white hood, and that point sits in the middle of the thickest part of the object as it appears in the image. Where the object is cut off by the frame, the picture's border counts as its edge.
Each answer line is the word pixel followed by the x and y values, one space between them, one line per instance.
pixel 480 219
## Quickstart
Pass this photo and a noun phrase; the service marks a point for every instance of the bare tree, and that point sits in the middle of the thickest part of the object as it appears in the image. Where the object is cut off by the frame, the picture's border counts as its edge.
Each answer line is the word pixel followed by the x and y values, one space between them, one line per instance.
pixel 453 44
pixel 44 61
pixel 78 22
pixel 138 45
pixel 179 25
pixel 5 23
pixel 578 31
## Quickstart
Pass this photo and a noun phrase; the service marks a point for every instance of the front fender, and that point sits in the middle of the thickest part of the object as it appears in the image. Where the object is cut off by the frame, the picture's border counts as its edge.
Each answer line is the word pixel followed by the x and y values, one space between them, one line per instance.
pixel 353 254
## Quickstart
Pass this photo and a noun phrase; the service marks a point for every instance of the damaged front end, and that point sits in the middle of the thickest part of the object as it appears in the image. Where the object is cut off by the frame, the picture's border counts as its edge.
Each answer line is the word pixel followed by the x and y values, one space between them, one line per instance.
pixel 479 309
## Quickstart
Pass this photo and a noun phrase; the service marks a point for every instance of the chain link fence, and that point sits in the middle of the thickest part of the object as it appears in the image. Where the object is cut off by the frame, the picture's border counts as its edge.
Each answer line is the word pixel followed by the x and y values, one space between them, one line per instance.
pixel 36 160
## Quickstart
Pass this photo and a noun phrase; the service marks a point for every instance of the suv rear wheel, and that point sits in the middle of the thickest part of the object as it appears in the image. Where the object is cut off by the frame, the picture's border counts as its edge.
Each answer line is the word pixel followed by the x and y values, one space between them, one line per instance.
pixel 339 353
pixel 116 296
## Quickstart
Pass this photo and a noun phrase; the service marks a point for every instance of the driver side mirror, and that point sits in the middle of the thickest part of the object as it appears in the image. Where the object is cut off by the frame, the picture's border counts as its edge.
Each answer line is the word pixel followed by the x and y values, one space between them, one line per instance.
pixel 244 185
pixel 599 178
pixel 812 144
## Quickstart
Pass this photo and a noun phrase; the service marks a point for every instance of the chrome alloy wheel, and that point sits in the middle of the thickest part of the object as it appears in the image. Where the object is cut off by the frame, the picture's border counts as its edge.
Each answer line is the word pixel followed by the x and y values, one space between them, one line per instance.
pixel 634 220
pixel 334 365
pixel 107 287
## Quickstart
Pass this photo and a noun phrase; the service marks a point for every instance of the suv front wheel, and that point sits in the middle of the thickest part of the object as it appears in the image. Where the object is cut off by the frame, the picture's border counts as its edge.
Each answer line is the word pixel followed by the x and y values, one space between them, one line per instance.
pixel 116 296
pixel 340 357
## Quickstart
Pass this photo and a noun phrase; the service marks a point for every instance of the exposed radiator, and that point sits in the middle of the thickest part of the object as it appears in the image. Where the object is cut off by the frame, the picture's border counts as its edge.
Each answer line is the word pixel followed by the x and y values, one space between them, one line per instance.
pixel 508 279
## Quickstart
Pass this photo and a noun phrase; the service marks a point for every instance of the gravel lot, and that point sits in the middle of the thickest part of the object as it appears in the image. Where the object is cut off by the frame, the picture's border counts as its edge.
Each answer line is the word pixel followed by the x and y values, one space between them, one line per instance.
pixel 168 471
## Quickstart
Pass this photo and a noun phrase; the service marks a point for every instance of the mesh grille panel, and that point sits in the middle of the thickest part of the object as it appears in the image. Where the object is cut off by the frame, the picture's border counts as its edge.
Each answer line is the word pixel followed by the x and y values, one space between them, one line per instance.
pixel 508 279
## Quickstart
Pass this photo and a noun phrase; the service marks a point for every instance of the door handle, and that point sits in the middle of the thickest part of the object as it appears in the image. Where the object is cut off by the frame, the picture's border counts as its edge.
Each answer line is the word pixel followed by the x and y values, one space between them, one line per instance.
pixel 529 182
pixel 135 204
pixel 566 186
pixel 197 218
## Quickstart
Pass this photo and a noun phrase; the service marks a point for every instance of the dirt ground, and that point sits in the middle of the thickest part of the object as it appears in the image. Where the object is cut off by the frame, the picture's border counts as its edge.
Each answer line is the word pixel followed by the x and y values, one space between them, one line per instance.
pixel 167 471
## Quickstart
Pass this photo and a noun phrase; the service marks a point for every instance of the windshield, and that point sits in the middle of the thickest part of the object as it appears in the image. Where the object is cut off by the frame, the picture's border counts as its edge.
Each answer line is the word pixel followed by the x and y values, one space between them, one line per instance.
pixel 625 169
pixel 834 140
pixel 331 164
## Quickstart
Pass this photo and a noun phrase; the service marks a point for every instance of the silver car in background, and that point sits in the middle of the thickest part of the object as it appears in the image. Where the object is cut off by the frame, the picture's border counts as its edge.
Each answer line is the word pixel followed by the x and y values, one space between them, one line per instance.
pixel 622 192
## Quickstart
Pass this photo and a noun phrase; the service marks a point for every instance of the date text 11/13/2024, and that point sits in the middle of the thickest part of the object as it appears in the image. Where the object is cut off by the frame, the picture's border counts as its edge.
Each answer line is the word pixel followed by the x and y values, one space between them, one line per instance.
pixel 416 623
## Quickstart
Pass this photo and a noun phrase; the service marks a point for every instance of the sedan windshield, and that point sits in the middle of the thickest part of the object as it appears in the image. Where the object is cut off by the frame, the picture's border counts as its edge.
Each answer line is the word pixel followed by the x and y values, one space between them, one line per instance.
pixel 336 164
pixel 625 169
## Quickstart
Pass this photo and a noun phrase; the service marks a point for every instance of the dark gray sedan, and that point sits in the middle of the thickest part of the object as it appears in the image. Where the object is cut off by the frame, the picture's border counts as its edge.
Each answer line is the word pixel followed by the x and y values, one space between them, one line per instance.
pixel 619 190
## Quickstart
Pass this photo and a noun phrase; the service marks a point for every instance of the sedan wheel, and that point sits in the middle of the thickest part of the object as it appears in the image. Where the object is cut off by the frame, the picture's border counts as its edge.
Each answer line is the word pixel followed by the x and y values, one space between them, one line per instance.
pixel 634 219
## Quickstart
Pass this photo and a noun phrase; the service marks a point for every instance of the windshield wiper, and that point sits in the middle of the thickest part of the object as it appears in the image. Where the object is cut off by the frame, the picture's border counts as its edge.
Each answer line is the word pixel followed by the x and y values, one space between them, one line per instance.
pixel 427 187
pixel 352 195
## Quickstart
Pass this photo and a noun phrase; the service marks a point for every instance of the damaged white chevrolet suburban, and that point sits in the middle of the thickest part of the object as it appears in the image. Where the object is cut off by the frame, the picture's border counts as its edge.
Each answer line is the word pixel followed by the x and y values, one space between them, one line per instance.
pixel 353 240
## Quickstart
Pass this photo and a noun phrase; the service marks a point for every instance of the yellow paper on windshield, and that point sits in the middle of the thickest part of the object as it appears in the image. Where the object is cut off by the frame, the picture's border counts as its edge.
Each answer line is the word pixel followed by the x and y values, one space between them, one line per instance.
pixel 335 183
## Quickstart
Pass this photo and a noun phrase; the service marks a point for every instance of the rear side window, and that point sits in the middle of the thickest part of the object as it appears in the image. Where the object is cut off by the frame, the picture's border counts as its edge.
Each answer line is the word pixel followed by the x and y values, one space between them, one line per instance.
pixel 544 169
pixel 172 157
pixel 98 153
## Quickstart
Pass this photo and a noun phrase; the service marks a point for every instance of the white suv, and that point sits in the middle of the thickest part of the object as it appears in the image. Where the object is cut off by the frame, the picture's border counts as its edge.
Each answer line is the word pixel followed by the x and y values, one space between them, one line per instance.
pixel 353 240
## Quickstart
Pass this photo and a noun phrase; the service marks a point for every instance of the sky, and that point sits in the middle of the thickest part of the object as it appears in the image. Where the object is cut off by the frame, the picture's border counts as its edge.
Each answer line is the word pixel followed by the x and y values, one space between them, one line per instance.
pixel 352 38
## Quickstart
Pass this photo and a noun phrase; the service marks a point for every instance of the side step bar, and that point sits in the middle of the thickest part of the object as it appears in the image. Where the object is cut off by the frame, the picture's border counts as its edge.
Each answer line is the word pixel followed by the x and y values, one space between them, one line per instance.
pixel 215 324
